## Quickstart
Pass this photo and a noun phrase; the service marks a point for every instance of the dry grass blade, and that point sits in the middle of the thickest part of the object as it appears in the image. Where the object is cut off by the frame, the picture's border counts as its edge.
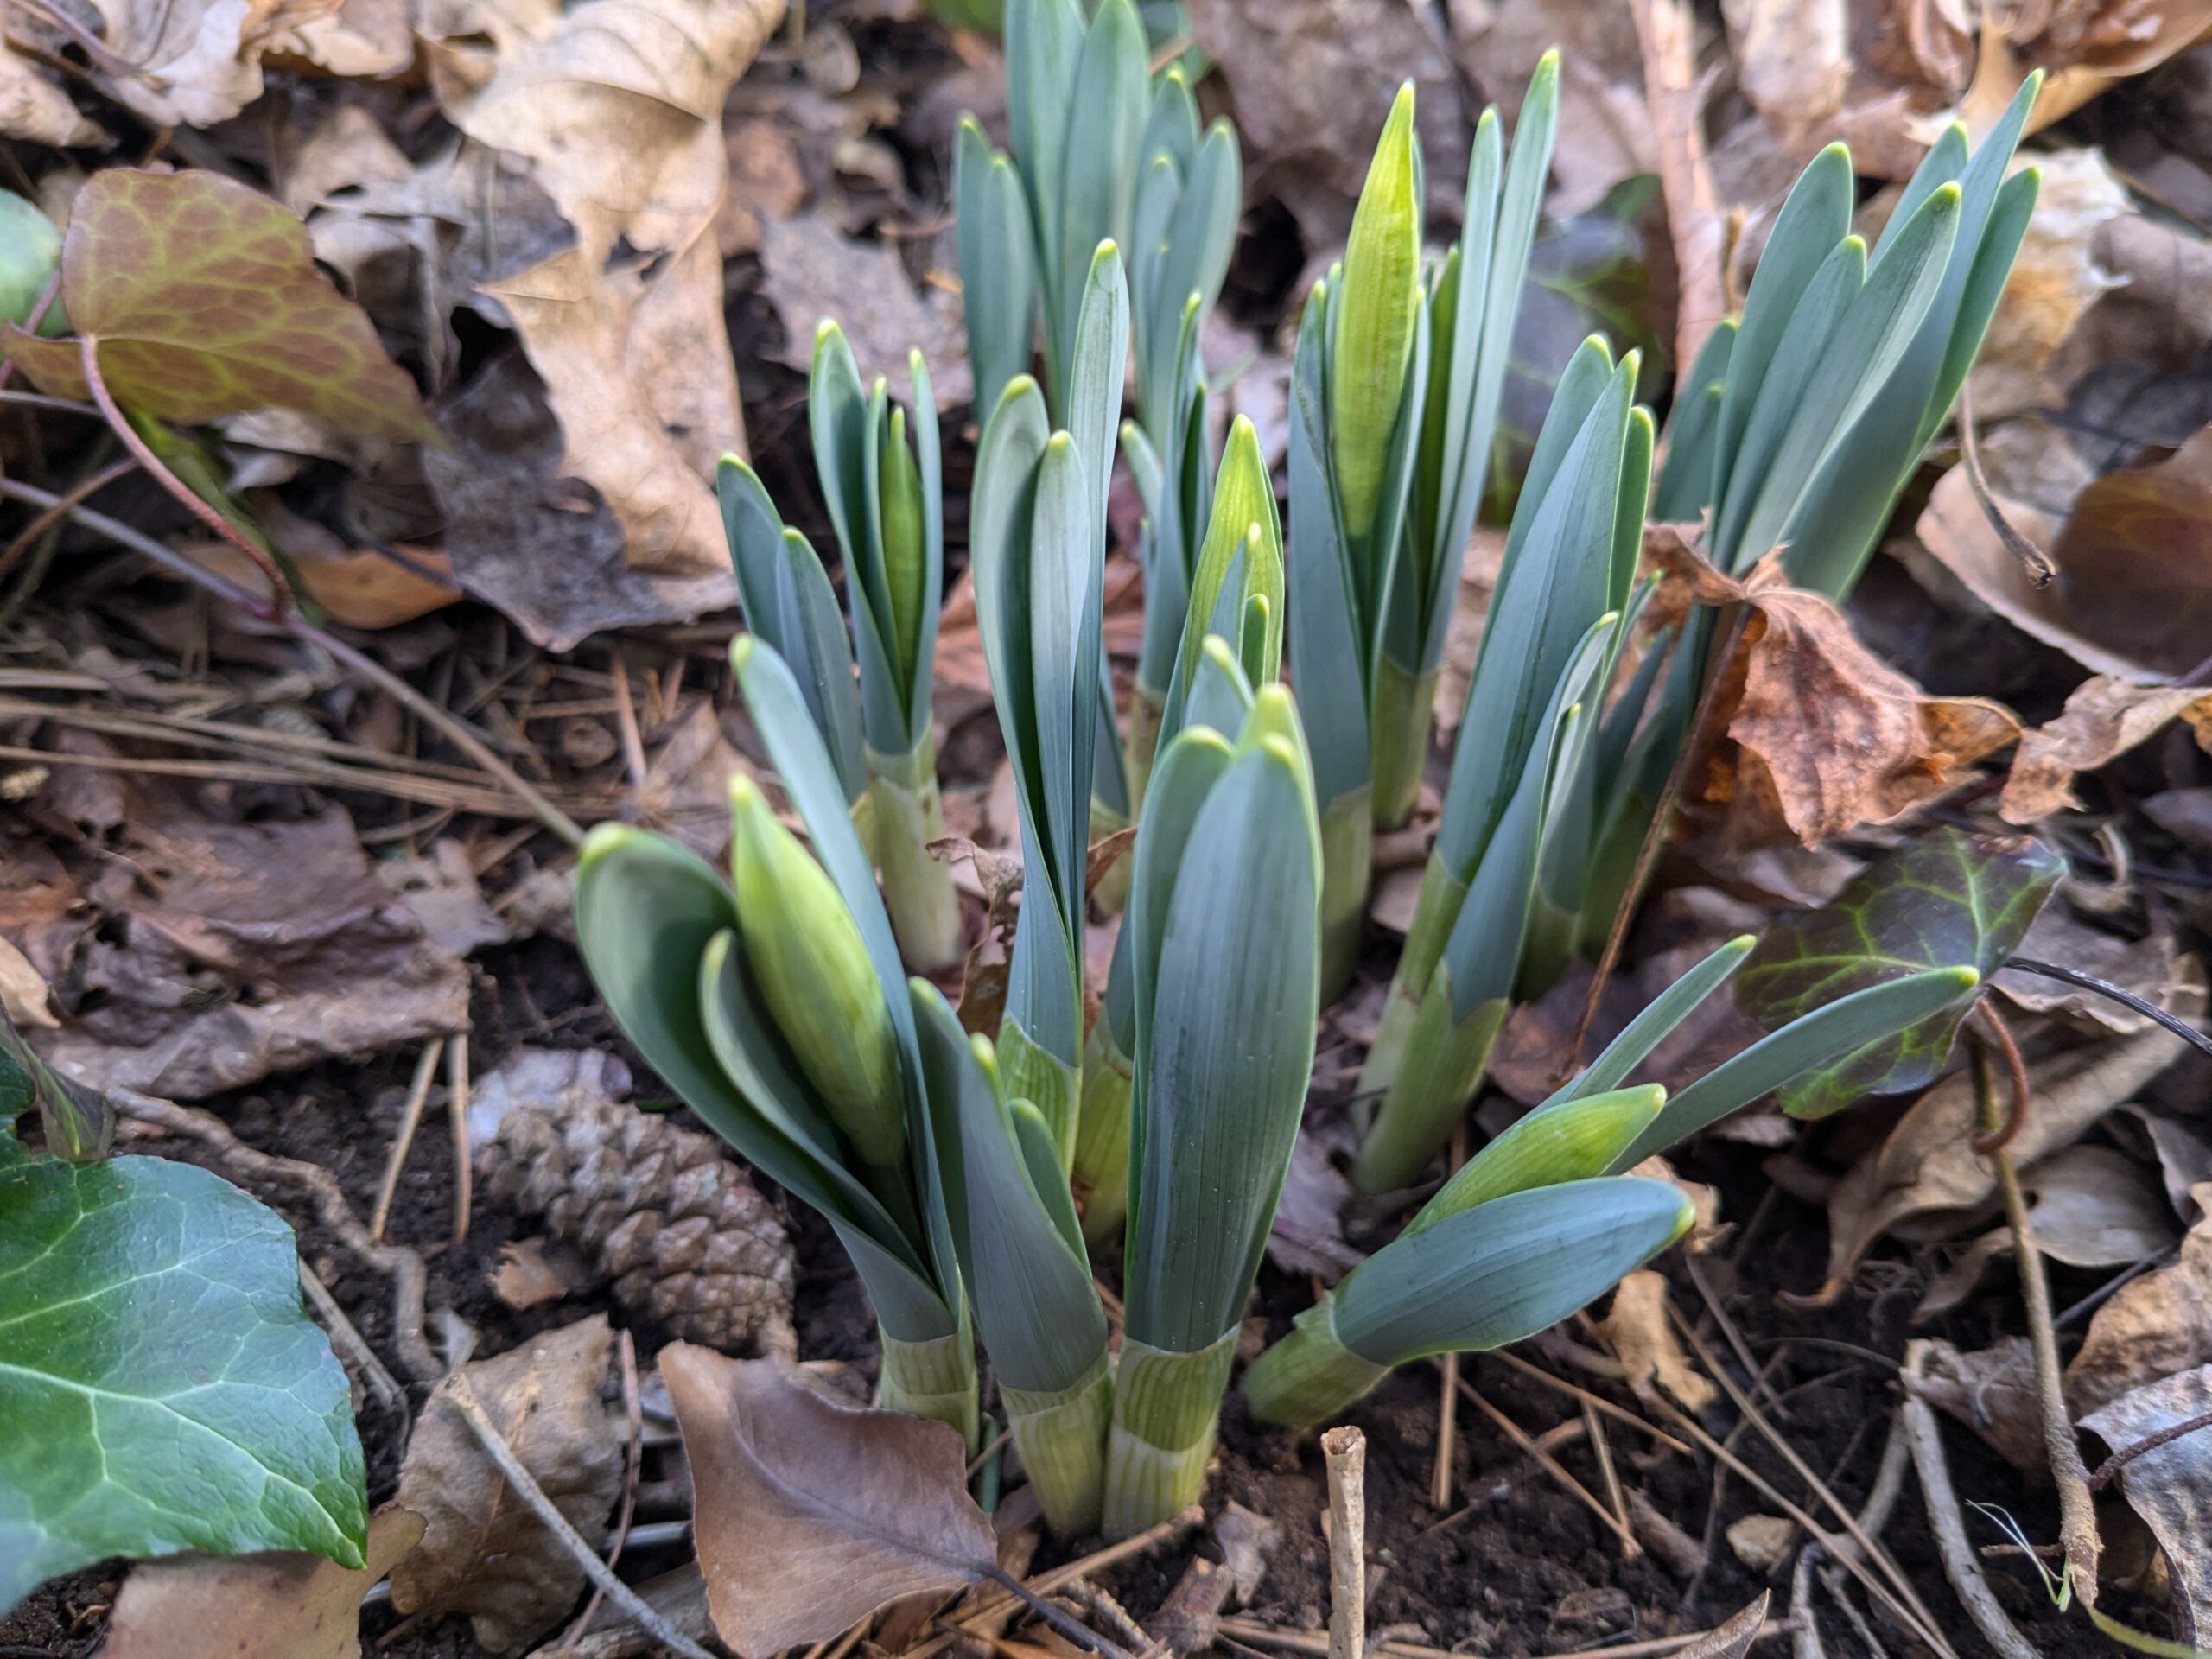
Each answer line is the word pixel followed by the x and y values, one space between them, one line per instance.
pixel 1596 1402
pixel 1556 1470
pixel 410 1118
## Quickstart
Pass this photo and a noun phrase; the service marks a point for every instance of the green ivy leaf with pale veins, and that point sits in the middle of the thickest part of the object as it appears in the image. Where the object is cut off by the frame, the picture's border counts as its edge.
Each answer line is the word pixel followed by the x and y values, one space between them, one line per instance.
pixel 162 1388
pixel 204 297
pixel 1948 900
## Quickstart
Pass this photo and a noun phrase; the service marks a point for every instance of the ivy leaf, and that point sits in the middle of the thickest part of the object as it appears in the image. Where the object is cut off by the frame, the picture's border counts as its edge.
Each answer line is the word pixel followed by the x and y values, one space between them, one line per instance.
pixel 1946 900
pixel 205 302
pixel 161 1387
pixel 1590 273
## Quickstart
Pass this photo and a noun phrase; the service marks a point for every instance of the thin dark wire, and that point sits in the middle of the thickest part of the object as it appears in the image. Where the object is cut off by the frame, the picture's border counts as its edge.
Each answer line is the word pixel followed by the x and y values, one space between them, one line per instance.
pixel 2104 987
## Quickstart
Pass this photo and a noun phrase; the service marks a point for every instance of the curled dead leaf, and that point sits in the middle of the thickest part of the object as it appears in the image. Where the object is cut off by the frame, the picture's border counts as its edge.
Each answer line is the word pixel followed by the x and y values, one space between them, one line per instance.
pixel 279 1605
pixel 1993 1391
pixel 2159 1324
pixel 2102 721
pixel 486 1553
pixel 1822 735
pixel 1637 1328
pixel 811 1515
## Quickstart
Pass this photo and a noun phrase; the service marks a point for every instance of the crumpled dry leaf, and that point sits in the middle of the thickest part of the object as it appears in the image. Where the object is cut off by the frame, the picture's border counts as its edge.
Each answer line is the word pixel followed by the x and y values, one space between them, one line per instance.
pixel 2083 47
pixel 2183 1156
pixel 2132 598
pixel 2103 719
pixel 2159 1324
pixel 810 270
pixel 547 550
pixel 188 63
pixel 2093 1207
pixel 198 950
pixel 1311 79
pixel 1792 60
pixel 2057 277
pixel 1636 1329
pixel 2149 967
pixel 441 889
pixel 618 105
pixel 1604 126
pixel 486 1553
pixel 1247 1539
pixel 1926 1178
pixel 1993 1391
pixel 36 110
pixel 811 1515
pixel 279 1605
pixel 2170 1485
pixel 360 586
pixel 1827 737
pixel 25 999
pixel 1307 1234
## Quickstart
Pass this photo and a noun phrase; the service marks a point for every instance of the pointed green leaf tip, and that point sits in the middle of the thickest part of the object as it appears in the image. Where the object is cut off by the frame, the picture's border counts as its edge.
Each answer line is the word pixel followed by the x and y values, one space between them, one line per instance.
pixel 905 566
pixel 1374 325
pixel 814 973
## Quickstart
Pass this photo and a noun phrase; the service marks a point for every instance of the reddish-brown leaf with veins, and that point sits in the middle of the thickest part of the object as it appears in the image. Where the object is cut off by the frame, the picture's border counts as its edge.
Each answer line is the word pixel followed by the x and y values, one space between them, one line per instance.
pixel 205 302
pixel 812 1515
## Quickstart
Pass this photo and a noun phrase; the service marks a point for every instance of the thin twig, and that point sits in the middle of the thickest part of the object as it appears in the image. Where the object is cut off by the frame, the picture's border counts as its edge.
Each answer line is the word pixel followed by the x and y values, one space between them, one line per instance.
pixel 1065 1623
pixel 633 1469
pixel 2077 1508
pixel 399 786
pixel 410 1115
pixel 1806 1644
pixel 1596 1402
pixel 1875 1555
pixel 455 730
pixel 1344 1451
pixel 625 722
pixel 2037 562
pixel 2105 988
pixel 347 1337
pixel 641 1612
pixel 1594 1426
pixel 2166 1436
pixel 457 1122
pixel 40 400
pixel 1555 1468
pixel 47 518
pixel 1986 1140
pixel 402 1265
pixel 1316 1642
pixel 1944 1520
pixel 280 590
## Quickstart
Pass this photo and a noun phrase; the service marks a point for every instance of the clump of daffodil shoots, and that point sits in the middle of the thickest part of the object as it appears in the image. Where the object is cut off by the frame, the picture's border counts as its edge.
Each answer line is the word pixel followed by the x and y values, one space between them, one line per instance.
pixel 1543 1219
pixel 1396 387
pixel 881 478
pixel 1103 151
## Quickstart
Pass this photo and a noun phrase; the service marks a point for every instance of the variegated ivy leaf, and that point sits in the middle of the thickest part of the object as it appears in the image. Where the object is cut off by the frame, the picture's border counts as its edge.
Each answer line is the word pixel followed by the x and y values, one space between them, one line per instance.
pixel 1948 899
pixel 205 302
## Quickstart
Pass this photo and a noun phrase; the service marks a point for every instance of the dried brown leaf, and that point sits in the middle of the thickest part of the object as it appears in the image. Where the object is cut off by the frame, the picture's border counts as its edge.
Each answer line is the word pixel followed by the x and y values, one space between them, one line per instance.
pixel 2103 719
pixel 1926 1179
pixel 2094 1207
pixel 1637 1328
pixel 1793 58
pixel 281 1605
pixel 810 270
pixel 811 1515
pixel 2159 1324
pixel 486 1552
pixel 1993 1391
pixel 209 949
pixel 36 109
pixel 2170 1485
pixel 1307 1234
pixel 1733 1638
pixel 1827 737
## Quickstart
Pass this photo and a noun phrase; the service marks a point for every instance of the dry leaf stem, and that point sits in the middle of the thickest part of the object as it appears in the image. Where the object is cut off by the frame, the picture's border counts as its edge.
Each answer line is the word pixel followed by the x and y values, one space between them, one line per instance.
pixel 1344 1451
pixel 410 1118
pixel 1944 1520
pixel 525 1486
pixel 2077 1508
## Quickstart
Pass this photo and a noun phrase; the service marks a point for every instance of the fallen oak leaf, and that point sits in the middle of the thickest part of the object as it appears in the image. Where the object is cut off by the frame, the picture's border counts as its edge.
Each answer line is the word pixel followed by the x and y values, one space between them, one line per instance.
pixel 205 301
pixel 279 1605
pixel 486 1553
pixel 1827 737
pixel 811 1515
pixel 2103 719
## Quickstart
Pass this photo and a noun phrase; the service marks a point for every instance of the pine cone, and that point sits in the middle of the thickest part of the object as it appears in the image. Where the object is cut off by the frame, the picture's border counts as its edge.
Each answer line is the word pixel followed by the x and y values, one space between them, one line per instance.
pixel 662 1211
